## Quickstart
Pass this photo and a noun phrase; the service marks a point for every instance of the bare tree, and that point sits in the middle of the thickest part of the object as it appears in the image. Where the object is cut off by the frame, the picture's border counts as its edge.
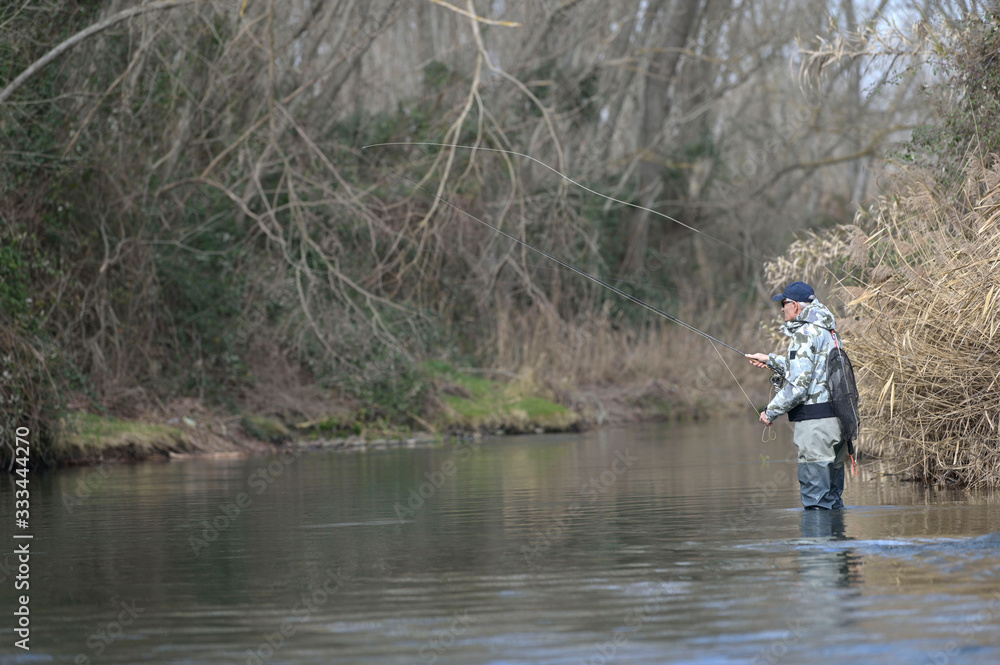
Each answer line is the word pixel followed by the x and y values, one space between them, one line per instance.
pixel 234 138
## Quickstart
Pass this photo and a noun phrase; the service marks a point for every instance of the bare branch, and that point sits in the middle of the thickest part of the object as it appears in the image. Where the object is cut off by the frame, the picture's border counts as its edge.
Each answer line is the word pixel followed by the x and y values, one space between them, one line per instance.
pixel 475 17
pixel 39 64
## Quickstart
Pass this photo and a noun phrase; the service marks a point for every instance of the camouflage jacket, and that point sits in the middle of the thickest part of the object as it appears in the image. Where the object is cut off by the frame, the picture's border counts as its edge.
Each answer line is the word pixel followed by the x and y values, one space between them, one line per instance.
pixel 805 367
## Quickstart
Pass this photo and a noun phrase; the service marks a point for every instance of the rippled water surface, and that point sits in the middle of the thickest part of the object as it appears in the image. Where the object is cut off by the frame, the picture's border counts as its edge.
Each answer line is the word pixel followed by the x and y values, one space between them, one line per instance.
pixel 667 544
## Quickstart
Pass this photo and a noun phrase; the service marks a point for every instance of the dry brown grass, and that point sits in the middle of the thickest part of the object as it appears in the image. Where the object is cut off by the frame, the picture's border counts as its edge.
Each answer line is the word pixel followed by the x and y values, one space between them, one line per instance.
pixel 926 323
pixel 610 371
pixel 929 350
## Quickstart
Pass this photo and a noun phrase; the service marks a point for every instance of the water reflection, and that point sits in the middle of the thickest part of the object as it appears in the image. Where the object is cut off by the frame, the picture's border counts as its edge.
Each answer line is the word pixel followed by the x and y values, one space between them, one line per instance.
pixel 656 545
pixel 825 562
pixel 824 524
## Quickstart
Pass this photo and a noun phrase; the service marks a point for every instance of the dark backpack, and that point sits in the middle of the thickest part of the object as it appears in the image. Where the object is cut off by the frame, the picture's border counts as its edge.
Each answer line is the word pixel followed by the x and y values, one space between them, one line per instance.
pixel 843 392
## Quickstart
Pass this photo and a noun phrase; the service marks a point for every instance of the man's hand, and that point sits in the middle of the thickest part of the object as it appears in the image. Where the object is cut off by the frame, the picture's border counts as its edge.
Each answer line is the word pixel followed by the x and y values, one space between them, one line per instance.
pixel 764 419
pixel 758 359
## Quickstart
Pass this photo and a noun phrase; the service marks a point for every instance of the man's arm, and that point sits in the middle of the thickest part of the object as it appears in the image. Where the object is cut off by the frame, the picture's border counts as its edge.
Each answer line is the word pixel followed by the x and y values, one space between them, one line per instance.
pixel 798 375
pixel 779 363
pixel 771 361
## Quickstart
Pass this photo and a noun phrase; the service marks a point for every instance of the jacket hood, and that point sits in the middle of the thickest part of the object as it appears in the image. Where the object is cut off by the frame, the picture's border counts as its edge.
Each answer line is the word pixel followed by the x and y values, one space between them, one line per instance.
pixel 815 313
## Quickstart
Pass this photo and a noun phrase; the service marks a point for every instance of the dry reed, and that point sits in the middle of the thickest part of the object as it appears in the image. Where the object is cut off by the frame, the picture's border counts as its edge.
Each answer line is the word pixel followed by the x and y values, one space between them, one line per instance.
pixel 925 331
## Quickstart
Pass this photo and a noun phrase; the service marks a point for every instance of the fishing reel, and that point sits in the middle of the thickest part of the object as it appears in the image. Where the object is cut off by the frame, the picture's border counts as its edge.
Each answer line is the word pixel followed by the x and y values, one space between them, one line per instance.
pixel 777 380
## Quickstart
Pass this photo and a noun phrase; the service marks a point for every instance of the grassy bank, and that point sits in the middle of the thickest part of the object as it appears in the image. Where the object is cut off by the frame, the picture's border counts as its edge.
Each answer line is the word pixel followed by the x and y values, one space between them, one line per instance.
pixel 467 404
pixel 85 438
pixel 473 402
pixel 461 402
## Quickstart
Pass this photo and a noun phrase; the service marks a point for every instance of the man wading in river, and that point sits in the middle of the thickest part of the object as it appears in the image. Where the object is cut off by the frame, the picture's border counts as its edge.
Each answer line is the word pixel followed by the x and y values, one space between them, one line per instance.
pixel 805 397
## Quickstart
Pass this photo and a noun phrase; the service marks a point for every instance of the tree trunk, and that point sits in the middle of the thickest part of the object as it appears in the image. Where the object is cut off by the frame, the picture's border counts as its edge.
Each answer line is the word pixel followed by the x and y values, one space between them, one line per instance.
pixel 678 20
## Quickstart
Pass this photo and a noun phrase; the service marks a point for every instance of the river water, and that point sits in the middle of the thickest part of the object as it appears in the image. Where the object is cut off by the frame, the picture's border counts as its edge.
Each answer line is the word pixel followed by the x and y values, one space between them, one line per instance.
pixel 665 544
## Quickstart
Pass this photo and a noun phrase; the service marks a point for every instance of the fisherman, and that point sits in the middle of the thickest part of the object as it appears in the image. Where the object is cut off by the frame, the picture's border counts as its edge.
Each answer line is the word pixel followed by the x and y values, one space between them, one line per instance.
pixel 805 397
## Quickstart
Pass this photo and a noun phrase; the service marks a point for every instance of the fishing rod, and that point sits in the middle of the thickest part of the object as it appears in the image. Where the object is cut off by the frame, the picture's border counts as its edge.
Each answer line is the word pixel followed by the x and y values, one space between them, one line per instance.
pixel 596 280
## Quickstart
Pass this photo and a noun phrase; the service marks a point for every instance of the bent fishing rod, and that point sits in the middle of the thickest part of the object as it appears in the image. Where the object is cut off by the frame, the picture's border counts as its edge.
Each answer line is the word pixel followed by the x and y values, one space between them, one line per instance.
pixel 596 280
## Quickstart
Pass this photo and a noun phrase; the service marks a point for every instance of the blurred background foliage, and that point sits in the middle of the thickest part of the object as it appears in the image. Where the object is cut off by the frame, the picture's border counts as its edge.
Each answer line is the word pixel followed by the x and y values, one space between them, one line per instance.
pixel 188 208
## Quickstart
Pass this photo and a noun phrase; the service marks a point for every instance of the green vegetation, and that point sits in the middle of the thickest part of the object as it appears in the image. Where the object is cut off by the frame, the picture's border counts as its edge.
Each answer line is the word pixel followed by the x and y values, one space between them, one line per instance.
pixel 84 437
pixel 14 299
pixel 265 429
pixel 475 402
pixel 188 216
pixel 967 119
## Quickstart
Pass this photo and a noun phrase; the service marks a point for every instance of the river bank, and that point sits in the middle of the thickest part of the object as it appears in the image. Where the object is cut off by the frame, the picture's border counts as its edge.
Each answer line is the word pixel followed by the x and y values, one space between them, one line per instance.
pixel 466 404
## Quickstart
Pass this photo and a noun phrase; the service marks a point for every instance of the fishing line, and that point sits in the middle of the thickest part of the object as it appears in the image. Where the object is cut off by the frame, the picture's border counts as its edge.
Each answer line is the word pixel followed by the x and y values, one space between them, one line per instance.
pixel 596 280
pixel 567 178
pixel 573 268
pixel 740 385
pixel 616 281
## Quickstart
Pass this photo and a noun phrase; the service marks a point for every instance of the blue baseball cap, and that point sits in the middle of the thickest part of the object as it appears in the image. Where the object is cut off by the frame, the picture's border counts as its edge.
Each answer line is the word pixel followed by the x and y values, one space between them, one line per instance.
pixel 797 291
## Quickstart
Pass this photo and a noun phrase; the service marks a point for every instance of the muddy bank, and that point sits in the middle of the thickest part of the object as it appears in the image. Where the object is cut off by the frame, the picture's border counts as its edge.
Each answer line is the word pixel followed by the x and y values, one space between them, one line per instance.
pixel 467 405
